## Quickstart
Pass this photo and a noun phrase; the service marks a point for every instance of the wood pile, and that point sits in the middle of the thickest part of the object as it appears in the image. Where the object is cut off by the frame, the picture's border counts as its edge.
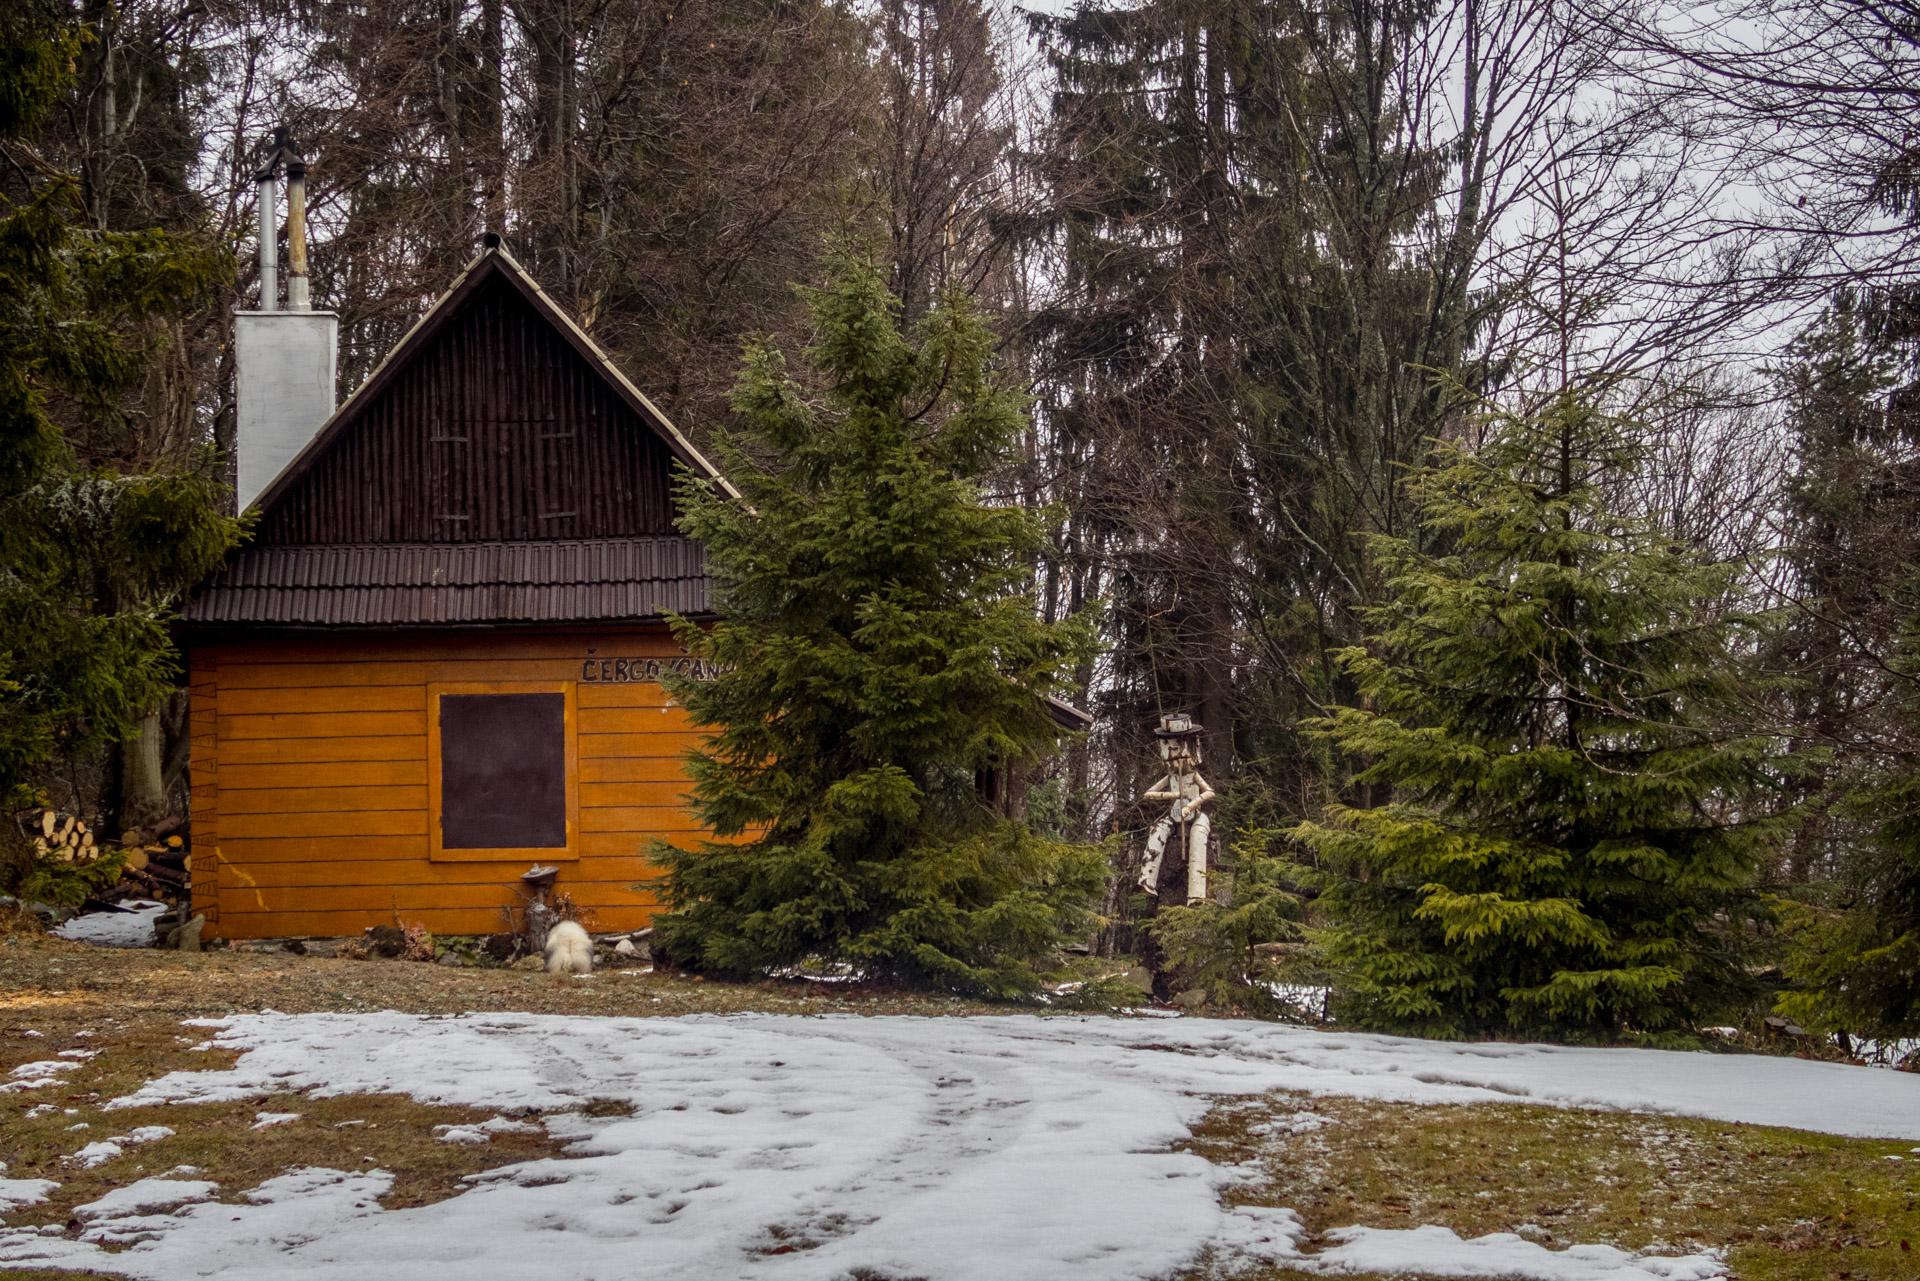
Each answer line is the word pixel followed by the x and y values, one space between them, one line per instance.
pixel 156 862
pixel 66 838
pixel 156 857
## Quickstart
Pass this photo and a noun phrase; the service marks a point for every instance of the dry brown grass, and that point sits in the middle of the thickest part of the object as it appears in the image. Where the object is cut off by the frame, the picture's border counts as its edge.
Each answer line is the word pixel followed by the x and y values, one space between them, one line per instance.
pixel 51 972
pixel 1787 1205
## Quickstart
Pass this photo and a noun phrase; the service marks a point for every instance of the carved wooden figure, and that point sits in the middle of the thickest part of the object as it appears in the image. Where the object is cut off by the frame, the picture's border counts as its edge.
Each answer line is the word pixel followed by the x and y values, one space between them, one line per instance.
pixel 1186 790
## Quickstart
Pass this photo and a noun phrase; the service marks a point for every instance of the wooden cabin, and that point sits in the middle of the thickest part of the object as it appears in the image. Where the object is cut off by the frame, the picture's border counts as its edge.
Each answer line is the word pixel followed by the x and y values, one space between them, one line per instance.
pixel 436 661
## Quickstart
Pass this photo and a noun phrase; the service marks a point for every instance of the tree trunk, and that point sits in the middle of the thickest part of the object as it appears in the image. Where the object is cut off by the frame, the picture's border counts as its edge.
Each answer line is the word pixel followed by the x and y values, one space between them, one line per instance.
pixel 143 798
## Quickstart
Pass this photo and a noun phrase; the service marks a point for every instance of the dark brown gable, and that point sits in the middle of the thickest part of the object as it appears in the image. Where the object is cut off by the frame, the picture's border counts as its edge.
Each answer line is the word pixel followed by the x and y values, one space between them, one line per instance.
pixel 495 429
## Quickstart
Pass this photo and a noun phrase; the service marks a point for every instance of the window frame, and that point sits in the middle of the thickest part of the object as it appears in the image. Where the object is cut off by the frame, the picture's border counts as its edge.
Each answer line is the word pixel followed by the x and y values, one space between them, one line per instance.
pixel 437 852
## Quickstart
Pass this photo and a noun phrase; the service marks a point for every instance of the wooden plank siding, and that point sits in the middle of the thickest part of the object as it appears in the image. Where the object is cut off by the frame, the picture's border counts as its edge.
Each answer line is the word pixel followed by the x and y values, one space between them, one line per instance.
pixel 310 781
pixel 495 429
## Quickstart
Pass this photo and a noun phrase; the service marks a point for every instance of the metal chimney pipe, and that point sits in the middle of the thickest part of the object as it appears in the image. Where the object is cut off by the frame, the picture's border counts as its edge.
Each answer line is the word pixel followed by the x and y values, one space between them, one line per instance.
pixel 269 240
pixel 285 361
pixel 297 296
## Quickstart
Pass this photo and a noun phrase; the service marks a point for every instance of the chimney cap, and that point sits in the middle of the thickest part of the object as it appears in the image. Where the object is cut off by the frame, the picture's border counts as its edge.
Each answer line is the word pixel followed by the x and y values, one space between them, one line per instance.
pixel 281 147
pixel 490 240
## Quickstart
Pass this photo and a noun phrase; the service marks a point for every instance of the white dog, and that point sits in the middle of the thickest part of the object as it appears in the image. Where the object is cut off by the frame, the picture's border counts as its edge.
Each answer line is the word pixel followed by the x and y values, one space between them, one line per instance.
pixel 569 950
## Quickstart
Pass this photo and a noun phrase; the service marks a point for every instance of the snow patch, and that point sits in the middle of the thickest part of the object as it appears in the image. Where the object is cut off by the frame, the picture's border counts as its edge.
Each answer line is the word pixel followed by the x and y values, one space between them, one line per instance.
pixel 98 1154
pixel 484 1131
pixel 1293 1123
pixel 13 1087
pixel 40 1067
pixel 95 1154
pixel 144 1196
pixel 37 1075
pixel 806 1148
pixel 1437 1251
pixel 131 928
pixel 16 1193
pixel 1257 1234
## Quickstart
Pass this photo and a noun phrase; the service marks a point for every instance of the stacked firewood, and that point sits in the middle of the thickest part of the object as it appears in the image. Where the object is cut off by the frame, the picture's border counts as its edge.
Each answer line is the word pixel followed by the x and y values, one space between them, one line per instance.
pixel 156 860
pixel 64 837
pixel 156 857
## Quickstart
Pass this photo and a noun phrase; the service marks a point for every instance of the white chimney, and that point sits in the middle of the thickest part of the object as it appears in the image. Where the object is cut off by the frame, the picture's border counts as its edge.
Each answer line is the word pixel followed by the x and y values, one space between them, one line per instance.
pixel 285 363
pixel 284 359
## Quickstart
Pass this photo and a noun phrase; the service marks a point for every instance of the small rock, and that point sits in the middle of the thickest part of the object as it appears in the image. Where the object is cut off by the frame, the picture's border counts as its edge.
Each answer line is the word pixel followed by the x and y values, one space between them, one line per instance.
pixel 187 937
pixel 625 947
pixel 1138 977
pixel 386 940
pixel 450 959
pixel 1191 999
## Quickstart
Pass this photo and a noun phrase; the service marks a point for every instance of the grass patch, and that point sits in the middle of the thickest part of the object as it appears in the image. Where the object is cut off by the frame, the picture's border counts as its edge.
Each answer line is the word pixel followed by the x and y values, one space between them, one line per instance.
pixel 1785 1205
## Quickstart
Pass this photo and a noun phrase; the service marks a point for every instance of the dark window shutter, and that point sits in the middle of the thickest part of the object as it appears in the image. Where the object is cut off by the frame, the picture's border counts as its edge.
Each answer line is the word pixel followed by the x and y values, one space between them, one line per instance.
pixel 559 496
pixel 503 771
pixel 451 492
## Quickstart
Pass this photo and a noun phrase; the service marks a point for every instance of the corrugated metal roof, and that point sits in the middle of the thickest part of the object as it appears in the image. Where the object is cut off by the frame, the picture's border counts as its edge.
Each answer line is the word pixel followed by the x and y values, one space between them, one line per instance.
pixel 401 584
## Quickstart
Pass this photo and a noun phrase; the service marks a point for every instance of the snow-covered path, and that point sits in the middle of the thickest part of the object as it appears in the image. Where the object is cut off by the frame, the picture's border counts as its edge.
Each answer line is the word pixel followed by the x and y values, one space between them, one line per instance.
pixel 789 1147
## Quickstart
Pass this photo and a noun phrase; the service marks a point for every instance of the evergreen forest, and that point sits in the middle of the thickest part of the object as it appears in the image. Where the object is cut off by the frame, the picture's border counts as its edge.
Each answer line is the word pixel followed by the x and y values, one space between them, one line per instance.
pixel 1496 423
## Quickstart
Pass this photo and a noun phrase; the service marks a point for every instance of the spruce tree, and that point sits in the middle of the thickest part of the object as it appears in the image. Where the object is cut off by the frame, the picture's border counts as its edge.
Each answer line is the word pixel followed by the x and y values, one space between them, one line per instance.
pixel 1854 965
pixel 1568 833
pixel 1852 921
pixel 1266 244
pixel 91 559
pixel 878 652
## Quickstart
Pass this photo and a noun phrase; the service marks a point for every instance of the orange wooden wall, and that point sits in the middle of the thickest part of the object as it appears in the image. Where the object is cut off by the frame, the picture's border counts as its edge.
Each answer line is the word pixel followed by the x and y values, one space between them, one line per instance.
pixel 309 774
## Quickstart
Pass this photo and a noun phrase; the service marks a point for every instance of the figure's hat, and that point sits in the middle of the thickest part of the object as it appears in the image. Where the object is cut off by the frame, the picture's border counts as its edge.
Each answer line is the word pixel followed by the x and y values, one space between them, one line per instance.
pixel 1177 725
